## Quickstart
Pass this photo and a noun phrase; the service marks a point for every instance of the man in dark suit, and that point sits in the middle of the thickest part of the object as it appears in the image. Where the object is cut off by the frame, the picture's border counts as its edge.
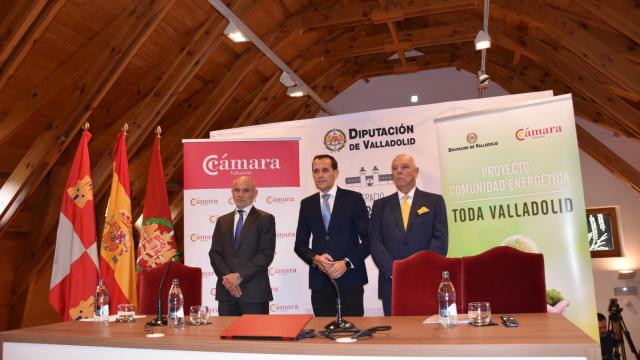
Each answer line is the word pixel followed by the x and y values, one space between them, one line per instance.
pixel 338 220
pixel 404 223
pixel 243 246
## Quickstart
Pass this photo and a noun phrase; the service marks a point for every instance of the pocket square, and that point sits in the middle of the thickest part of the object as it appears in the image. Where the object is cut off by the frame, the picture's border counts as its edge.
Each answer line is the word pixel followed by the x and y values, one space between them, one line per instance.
pixel 422 210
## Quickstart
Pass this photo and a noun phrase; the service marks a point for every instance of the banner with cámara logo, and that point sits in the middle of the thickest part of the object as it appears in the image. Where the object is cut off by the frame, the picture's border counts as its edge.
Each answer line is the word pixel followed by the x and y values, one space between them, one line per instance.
pixel 364 145
pixel 511 176
pixel 209 170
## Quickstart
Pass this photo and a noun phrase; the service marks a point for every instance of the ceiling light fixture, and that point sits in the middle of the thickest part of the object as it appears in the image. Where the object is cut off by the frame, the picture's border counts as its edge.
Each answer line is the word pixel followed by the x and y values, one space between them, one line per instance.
pixel 414 98
pixel 286 80
pixel 234 33
pixel 483 79
pixel 296 91
pixel 483 40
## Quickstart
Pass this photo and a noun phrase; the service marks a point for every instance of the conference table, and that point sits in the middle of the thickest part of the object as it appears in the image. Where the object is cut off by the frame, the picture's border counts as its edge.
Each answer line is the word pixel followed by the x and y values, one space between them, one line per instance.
pixel 539 335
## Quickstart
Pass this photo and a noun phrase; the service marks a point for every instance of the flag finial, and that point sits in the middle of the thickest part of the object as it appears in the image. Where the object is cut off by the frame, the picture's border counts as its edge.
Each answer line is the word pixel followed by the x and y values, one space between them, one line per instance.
pixel 85 126
pixel 125 128
pixel 158 131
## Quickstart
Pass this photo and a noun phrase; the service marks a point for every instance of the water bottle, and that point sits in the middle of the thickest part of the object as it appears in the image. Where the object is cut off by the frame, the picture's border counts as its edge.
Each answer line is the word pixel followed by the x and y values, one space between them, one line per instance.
pixel 101 304
pixel 447 301
pixel 176 305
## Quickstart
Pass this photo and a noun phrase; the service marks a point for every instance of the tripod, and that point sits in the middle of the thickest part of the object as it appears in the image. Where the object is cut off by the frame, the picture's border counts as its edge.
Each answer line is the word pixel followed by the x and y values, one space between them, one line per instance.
pixel 619 328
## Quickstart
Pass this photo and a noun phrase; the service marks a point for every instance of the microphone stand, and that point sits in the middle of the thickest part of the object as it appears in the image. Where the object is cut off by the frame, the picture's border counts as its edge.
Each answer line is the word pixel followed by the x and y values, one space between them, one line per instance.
pixel 160 320
pixel 339 323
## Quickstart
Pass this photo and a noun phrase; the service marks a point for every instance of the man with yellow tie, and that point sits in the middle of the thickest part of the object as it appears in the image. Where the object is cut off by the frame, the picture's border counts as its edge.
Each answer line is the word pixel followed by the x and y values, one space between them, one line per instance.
pixel 404 223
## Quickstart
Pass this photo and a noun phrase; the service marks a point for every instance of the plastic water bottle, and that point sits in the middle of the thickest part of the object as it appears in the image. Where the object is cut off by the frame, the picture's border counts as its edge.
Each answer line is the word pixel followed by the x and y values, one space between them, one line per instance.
pixel 176 305
pixel 447 301
pixel 101 304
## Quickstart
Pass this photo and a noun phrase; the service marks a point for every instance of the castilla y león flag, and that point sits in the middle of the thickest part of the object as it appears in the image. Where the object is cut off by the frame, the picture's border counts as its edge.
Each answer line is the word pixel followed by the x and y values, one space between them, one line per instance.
pixel 157 241
pixel 75 264
pixel 116 249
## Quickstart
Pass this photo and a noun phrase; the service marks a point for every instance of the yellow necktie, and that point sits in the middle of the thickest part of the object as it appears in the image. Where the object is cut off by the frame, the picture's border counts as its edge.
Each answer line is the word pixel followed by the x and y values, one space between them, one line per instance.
pixel 405 207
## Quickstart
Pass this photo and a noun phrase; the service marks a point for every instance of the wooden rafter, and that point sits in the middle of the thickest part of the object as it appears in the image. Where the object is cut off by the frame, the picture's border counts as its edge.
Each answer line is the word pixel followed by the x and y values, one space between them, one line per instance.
pixel 260 101
pixel 363 13
pixel 14 51
pixel 134 25
pixel 408 40
pixel 620 168
pixel 619 14
pixel 576 38
pixel 571 72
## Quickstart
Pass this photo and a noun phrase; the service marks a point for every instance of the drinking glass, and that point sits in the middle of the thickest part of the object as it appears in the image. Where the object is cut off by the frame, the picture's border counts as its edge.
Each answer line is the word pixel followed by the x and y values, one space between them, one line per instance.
pixel 479 313
pixel 126 313
pixel 199 314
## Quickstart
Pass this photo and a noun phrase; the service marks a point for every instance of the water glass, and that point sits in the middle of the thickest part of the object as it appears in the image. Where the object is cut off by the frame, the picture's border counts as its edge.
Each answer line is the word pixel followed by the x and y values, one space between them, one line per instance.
pixel 479 313
pixel 199 314
pixel 126 313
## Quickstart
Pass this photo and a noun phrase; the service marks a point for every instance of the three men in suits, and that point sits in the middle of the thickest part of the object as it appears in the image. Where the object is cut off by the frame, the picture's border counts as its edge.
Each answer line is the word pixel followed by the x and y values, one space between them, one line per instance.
pixel 243 246
pixel 404 223
pixel 338 221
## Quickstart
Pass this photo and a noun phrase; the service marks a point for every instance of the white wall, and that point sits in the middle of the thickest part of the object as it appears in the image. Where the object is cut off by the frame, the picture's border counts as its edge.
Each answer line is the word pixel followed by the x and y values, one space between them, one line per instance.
pixel 601 187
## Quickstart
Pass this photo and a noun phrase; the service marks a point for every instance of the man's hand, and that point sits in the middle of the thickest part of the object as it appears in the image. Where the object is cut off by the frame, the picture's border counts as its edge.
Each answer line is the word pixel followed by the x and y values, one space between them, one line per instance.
pixel 324 262
pixel 338 269
pixel 231 280
pixel 235 291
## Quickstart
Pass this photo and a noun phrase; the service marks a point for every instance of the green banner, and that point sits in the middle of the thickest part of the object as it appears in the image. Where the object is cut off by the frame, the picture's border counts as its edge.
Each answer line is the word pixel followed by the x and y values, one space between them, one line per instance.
pixel 511 176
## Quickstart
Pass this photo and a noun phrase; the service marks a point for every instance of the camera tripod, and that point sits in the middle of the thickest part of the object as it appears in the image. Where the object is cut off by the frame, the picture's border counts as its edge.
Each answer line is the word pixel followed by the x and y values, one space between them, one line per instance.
pixel 620 332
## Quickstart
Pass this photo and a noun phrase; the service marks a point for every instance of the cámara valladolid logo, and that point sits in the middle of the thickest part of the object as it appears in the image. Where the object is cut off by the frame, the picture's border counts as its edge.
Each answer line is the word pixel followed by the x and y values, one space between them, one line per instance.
pixel 213 164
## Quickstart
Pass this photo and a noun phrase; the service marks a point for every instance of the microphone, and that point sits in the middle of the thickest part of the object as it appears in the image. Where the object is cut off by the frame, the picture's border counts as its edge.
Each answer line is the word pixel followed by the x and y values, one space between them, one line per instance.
pixel 160 320
pixel 339 323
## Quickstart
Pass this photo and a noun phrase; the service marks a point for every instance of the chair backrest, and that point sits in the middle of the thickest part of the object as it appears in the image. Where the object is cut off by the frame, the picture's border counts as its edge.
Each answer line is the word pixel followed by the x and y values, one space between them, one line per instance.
pixel 190 279
pixel 416 279
pixel 511 280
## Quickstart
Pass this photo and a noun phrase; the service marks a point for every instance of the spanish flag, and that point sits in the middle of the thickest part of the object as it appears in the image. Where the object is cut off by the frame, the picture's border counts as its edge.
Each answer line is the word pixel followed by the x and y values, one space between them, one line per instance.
pixel 157 241
pixel 117 254
pixel 75 264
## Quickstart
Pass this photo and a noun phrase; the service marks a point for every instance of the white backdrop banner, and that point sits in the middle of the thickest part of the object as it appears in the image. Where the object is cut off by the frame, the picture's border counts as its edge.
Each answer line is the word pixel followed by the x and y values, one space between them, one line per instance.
pixel 364 145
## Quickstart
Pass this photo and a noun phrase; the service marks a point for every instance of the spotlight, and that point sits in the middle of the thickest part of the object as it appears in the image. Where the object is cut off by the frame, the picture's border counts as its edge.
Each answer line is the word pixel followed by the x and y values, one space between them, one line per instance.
pixel 483 79
pixel 296 91
pixel 482 41
pixel 286 80
pixel 234 33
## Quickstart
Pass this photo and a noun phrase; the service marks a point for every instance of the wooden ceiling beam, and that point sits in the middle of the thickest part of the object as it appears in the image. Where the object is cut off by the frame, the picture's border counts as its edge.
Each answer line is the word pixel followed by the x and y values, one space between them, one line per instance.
pixel 368 12
pixel 76 65
pixel 531 77
pixel 14 50
pixel 519 81
pixel 571 72
pixel 408 40
pixel 269 90
pixel 134 25
pixel 575 37
pixel 16 23
pixel 611 161
pixel 146 114
pixel 621 15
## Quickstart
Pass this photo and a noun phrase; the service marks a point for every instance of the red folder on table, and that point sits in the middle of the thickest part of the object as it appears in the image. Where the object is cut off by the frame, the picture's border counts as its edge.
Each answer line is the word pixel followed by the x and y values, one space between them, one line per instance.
pixel 267 327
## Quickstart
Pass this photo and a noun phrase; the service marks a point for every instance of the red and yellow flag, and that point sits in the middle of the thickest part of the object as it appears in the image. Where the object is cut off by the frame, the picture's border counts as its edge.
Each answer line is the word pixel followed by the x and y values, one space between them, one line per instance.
pixel 75 264
pixel 157 241
pixel 116 250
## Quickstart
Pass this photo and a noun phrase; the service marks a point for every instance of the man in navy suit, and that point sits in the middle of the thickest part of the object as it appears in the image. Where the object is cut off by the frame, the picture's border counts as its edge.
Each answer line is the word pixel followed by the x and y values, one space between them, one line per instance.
pixel 338 220
pixel 404 223
pixel 243 246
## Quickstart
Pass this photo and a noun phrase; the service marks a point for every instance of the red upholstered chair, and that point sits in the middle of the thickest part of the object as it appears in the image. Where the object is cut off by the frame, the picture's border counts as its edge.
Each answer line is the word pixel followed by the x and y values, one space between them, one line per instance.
pixel 511 280
pixel 415 283
pixel 190 279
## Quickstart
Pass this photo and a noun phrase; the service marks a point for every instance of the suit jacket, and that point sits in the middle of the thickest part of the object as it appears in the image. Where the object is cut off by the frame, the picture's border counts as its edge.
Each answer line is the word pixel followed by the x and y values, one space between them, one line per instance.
pixel 389 240
pixel 346 237
pixel 251 260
